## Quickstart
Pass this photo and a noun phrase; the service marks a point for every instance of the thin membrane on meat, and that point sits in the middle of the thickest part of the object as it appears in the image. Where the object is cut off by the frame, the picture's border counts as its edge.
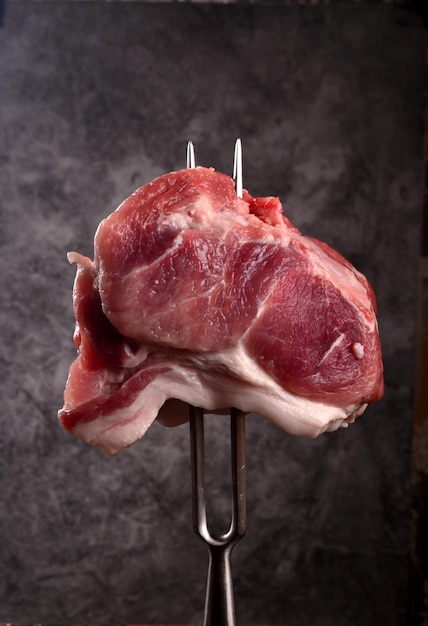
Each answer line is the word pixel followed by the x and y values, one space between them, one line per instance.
pixel 196 296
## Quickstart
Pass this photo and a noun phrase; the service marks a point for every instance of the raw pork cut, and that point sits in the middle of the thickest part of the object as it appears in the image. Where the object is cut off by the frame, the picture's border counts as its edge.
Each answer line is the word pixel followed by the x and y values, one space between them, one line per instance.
pixel 196 296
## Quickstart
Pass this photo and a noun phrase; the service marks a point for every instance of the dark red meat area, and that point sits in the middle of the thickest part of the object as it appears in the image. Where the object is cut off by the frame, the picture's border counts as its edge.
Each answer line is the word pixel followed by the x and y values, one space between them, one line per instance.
pixel 300 355
pixel 202 295
pixel 100 343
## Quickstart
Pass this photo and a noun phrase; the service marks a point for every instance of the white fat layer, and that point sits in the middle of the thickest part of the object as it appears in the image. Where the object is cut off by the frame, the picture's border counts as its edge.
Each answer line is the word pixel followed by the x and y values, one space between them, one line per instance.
pixel 237 382
pixel 295 415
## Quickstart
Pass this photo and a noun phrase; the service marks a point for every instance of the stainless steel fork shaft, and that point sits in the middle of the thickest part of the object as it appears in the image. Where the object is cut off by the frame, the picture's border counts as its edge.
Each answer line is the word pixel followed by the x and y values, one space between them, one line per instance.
pixel 220 599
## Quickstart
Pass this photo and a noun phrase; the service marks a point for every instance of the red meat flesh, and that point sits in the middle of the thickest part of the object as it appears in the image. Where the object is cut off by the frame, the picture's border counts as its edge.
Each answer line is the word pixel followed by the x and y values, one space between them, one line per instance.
pixel 196 296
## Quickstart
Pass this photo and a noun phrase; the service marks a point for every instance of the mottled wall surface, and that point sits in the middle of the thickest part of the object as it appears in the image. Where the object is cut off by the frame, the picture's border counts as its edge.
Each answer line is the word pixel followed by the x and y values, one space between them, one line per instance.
pixel 95 100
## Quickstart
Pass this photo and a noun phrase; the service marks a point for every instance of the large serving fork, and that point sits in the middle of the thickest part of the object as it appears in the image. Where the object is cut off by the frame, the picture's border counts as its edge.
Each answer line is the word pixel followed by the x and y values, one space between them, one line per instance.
pixel 220 598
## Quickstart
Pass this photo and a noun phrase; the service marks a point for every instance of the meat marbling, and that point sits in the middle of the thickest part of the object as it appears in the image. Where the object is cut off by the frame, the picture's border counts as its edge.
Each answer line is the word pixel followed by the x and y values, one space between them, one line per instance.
pixel 196 296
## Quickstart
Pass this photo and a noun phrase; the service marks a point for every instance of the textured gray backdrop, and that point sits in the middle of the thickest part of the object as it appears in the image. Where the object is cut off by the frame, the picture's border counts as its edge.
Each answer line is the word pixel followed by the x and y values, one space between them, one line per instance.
pixel 96 99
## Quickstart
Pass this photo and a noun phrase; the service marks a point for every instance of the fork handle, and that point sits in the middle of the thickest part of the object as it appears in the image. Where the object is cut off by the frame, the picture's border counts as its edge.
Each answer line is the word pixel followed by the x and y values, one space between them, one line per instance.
pixel 220 598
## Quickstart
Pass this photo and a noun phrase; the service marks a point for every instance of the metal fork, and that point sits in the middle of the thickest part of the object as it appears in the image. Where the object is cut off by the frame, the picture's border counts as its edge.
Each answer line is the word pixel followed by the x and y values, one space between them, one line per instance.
pixel 220 598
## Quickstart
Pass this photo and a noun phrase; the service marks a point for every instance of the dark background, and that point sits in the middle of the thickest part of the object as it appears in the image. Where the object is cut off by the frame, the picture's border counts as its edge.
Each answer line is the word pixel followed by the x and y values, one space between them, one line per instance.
pixel 97 98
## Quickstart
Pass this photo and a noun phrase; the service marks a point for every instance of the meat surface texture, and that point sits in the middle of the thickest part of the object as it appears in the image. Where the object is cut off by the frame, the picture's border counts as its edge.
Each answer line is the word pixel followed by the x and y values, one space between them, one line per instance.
pixel 196 296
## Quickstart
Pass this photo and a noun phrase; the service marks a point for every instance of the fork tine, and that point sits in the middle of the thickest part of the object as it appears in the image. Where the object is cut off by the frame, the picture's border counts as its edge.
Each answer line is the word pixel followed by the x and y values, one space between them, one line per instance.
pixel 238 469
pixel 237 168
pixel 190 155
pixel 197 442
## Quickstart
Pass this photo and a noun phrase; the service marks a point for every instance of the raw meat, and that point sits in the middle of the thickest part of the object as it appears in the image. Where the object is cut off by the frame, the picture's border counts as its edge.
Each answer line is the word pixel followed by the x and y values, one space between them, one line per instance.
pixel 196 296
